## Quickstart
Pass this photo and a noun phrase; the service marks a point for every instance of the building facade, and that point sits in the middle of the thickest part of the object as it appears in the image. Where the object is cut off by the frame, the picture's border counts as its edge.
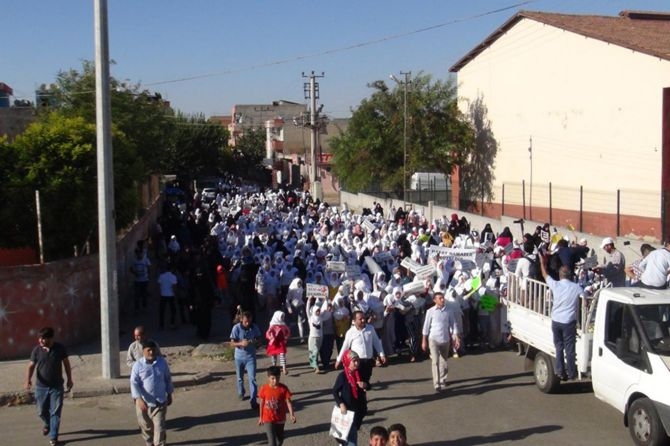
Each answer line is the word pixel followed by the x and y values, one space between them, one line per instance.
pixel 580 107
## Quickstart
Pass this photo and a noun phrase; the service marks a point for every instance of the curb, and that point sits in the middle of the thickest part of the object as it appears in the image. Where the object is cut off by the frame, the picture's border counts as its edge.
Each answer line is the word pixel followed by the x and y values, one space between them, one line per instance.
pixel 9 399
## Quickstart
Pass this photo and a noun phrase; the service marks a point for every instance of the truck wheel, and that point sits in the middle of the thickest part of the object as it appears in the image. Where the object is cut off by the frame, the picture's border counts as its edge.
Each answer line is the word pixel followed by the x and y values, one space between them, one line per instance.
pixel 644 425
pixel 545 378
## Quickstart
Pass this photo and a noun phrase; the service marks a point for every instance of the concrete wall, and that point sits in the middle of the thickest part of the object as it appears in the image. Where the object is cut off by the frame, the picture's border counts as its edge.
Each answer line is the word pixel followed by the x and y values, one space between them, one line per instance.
pixel 64 294
pixel 593 110
pixel 356 202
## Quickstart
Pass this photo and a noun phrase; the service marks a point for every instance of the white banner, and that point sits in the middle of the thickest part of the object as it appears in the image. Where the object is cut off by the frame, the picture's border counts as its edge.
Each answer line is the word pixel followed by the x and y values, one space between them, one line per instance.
pixel 424 272
pixel 368 225
pixel 454 253
pixel 373 267
pixel 338 267
pixel 410 264
pixel 413 288
pixel 317 290
pixel 383 256
pixel 353 271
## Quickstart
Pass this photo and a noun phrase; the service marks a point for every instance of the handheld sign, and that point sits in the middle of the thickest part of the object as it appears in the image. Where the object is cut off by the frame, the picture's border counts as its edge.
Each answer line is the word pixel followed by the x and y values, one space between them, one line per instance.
pixel 424 272
pixel 373 267
pixel 353 271
pixel 368 225
pixel 337 267
pixel 317 290
pixel 413 288
pixel 488 302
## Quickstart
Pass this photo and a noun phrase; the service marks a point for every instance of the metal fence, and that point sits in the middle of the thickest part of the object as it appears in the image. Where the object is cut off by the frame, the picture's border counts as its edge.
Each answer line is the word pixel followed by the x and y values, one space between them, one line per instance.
pixel 421 196
pixel 622 211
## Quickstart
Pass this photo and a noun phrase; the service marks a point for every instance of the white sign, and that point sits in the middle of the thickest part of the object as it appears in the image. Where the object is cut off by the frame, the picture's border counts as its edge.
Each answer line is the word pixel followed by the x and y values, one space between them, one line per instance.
pixel 413 288
pixel 317 290
pixel 383 256
pixel 368 225
pixel 454 253
pixel 373 267
pixel 410 264
pixel 338 267
pixel 424 272
pixel 353 271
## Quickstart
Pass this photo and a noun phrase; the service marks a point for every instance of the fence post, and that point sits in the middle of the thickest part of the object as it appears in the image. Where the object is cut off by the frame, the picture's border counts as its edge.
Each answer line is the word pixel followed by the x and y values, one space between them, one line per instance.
pixel 502 210
pixel 581 208
pixel 618 212
pixel 523 197
pixel 551 222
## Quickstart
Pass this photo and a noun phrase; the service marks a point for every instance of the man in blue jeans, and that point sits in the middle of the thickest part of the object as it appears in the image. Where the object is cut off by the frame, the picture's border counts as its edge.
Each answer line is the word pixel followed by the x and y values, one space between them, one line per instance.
pixel 565 299
pixel 245 337
pixel 49 359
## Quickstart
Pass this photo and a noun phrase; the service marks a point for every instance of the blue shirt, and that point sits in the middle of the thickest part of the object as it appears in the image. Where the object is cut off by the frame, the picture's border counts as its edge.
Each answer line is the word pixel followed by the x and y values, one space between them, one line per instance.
pixel 566 297
pixel 151 382
pixel 253 334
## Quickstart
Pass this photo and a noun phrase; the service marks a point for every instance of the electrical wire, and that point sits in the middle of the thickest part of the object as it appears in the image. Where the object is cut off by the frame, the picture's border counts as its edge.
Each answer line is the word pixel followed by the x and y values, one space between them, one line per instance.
pixel 344 48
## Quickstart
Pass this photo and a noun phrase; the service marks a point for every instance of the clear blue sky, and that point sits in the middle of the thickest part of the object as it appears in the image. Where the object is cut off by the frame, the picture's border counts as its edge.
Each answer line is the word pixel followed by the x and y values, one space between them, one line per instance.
pixel 252 51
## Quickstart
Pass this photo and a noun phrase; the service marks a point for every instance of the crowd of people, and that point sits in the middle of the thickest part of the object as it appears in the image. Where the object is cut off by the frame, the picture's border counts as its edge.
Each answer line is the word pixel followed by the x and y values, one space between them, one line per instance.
pixel 372 285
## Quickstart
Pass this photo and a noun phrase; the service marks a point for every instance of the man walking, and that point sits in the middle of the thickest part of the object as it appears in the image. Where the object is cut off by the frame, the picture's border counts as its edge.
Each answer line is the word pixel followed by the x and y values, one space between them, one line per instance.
pixel 565 301
pixel 245 337
pixel 49 359
pixel 439 329
pixel 362 339
pixel 136 348
pixel 151 388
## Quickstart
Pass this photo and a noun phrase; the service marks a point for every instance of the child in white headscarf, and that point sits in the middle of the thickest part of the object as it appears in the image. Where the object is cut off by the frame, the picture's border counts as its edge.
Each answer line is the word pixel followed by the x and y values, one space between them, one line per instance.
pixel 277 336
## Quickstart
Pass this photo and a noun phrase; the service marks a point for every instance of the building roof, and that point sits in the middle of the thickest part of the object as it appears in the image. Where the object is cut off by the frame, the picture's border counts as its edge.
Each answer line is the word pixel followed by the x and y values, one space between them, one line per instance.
pixel 647 32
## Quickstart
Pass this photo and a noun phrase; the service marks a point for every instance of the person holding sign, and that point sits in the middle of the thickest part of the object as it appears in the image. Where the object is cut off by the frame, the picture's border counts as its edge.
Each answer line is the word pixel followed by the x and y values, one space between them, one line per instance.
pixel 439 330
pixel 349 393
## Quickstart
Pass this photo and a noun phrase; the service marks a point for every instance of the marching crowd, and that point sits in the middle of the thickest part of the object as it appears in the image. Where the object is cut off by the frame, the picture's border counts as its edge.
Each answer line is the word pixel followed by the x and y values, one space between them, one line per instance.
pixel 384 282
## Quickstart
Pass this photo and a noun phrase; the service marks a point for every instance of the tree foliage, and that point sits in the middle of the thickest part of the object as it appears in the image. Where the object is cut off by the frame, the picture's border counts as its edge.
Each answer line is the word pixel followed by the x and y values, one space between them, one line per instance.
pixel 371 150
pixel 476 173
pixel 57 156
pixel 197 148
pixel 249 150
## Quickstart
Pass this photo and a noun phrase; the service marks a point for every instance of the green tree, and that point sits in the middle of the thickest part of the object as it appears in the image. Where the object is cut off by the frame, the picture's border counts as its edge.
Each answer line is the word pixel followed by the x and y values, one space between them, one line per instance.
pixel 249 150
pixel 141 115
pixel 57 156
pixel 476 173
pixel 371 151
pixel 197 148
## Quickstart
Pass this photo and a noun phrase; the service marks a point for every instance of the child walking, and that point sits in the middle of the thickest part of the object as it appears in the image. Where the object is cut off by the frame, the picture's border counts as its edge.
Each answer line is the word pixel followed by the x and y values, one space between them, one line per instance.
pixel 277 335
pixel 275 400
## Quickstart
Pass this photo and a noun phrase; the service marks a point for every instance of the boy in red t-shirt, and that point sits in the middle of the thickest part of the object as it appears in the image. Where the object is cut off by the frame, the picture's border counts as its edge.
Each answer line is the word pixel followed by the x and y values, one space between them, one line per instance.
pixel 275 400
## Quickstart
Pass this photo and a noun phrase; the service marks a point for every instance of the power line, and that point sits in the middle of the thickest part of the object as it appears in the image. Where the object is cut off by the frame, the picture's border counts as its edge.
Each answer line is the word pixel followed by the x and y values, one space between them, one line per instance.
pixel 344 48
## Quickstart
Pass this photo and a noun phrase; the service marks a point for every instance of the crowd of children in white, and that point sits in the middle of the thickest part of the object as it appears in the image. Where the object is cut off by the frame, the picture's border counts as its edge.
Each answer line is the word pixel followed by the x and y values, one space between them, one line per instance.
pixel 282 251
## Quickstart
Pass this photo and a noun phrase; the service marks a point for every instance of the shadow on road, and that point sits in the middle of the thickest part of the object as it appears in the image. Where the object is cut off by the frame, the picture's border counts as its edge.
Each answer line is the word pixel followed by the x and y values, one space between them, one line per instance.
pixel 499 437
pixel 94 434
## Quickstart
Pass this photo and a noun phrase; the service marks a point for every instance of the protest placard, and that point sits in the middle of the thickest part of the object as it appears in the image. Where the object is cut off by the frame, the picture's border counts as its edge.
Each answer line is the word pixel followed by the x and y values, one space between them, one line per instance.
pixel 317 290
pixel 337 267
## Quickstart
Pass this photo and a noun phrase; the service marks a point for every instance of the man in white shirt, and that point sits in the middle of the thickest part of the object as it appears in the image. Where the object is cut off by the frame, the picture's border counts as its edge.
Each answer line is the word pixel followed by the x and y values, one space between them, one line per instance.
pixel 362 339
pixel 439 329
pixel 655 268
pixel 167 282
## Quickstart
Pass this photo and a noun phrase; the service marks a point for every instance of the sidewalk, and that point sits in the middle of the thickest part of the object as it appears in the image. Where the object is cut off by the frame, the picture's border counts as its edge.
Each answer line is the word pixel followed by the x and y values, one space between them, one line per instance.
pixel 191 362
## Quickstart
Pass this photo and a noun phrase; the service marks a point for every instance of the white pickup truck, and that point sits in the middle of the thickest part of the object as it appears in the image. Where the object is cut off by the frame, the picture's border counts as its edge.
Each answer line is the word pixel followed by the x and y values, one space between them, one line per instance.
pixel 623 345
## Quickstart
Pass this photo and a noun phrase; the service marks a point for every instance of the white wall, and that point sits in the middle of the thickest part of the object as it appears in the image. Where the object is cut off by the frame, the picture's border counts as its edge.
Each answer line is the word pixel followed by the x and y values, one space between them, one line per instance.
pixel 593 111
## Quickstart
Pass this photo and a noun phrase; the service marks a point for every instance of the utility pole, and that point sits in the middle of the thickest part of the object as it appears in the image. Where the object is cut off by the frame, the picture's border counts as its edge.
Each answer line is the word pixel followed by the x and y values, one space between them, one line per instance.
pixel 109 303
pixel 311 90
pixel 530 195
pixel 404 83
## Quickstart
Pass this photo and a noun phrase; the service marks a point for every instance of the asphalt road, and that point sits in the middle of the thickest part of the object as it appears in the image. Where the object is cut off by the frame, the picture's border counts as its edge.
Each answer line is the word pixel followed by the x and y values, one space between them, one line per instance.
pixel 489 400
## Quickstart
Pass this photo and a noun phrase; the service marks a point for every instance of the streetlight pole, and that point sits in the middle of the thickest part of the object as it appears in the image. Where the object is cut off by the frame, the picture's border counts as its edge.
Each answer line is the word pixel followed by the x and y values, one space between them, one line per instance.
pixel 404 83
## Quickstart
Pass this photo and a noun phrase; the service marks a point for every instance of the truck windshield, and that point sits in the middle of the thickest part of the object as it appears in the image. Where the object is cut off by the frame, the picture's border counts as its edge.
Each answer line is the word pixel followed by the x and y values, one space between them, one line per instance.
pixel 655 320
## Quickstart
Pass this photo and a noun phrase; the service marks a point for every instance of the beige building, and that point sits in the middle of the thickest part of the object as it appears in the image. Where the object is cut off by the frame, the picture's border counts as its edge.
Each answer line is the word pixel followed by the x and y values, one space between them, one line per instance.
pixel 580 107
